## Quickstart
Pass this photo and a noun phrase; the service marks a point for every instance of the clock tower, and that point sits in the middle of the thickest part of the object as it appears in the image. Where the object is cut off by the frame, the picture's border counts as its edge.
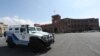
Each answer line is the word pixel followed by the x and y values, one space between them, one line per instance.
pixel 56 18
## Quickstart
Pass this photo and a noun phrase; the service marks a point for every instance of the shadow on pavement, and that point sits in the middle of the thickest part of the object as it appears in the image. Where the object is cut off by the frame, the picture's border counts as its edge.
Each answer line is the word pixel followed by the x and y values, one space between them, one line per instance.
pixel 19 51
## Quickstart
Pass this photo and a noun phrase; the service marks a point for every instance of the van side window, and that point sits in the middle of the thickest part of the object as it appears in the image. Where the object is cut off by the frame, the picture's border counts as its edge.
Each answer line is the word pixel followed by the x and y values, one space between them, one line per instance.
pixel 16 28
pixel 10 28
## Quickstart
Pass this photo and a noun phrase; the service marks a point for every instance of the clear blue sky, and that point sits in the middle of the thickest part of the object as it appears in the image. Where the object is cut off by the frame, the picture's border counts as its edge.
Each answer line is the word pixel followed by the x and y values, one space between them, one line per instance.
pixel 42 10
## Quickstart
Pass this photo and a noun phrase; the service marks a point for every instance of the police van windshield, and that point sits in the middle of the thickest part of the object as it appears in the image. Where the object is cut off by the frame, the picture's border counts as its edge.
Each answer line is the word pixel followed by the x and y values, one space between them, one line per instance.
pixel 35 29
pixel 39 29
pixel 32 29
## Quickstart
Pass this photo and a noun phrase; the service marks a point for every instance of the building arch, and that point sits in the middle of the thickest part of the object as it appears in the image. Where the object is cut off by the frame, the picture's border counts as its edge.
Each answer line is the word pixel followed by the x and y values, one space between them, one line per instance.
pixel 55 29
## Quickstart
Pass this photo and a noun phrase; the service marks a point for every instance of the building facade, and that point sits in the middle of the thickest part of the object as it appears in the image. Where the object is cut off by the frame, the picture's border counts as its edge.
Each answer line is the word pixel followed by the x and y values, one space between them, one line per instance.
pixel 59 25
pixel 2 28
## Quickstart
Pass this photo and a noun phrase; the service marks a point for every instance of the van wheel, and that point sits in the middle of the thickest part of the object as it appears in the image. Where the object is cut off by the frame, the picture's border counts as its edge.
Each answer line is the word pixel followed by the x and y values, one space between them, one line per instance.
pixel 36 46
pixel 10 43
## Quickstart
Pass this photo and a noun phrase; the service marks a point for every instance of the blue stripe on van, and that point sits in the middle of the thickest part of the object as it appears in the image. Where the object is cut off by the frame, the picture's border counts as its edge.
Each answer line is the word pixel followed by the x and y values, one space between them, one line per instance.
pixel 16 40
pixel 14 37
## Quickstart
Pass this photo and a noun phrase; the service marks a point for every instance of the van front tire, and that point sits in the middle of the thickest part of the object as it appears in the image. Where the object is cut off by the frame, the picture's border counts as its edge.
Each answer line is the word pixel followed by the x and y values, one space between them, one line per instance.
pixel 36 45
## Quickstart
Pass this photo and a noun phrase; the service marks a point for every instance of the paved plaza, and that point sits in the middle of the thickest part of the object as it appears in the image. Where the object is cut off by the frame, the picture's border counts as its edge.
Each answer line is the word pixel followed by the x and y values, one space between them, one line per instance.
pixel 67 44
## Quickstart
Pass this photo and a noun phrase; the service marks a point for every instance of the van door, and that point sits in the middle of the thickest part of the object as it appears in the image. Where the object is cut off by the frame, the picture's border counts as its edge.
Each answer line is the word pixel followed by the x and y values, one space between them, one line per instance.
pixel 16 34
pixel 24 34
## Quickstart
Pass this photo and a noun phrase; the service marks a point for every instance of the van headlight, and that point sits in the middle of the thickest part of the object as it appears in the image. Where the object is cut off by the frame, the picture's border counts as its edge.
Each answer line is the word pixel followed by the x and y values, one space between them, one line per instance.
pixel 51 35
pixel 45 37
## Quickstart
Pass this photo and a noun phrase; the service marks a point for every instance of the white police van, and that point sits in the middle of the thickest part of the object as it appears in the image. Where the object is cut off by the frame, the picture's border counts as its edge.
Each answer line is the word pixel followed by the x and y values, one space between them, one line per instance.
pixel 31 36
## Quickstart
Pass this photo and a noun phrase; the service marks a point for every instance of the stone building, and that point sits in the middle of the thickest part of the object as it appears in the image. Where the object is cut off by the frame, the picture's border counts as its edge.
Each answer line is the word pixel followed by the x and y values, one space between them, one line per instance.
pixel 2 28
pixel 59 25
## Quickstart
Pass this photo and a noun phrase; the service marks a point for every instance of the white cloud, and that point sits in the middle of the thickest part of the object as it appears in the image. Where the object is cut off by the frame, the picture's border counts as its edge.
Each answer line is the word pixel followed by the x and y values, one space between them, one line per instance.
pixel 15 20
pixel 46 22
pixel 86 8
pixel 92 13
pixel 84 3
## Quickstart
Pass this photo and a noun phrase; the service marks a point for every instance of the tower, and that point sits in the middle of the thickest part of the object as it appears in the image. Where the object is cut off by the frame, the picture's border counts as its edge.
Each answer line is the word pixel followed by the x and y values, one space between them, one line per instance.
pixel 56 18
